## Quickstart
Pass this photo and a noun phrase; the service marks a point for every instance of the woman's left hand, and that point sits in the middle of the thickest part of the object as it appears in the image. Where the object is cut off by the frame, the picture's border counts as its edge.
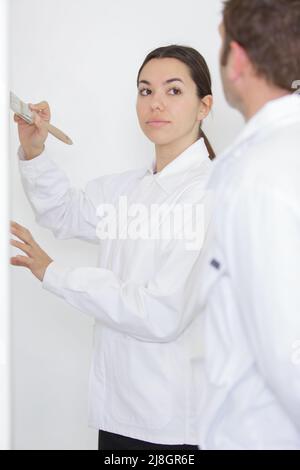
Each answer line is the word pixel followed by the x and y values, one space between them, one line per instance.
pixel 36 260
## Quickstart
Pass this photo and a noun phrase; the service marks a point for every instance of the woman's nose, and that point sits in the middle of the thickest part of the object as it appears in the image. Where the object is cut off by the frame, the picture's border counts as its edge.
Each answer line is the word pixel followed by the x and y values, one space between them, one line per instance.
pixel 157 103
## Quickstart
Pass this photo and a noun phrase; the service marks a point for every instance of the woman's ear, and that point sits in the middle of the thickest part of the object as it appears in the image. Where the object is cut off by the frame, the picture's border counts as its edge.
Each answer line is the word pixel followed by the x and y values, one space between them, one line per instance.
pixel 205 107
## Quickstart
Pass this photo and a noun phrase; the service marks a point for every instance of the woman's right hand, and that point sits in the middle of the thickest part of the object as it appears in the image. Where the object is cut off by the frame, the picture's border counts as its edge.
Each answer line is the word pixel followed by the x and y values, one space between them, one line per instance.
pixel 33 136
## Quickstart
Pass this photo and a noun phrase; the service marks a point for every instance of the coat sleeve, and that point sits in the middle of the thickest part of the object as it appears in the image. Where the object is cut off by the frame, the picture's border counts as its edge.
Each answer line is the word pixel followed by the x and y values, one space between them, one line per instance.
pixel 156 311
pixel 68 212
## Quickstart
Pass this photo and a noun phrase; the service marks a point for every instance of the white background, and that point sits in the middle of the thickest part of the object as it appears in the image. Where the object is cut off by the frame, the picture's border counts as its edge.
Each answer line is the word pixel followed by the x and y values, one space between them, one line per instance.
pixel 5 408
pixel 82 56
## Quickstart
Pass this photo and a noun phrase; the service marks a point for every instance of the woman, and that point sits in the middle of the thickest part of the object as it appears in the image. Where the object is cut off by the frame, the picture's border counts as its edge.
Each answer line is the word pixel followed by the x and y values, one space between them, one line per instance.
pixel 143 392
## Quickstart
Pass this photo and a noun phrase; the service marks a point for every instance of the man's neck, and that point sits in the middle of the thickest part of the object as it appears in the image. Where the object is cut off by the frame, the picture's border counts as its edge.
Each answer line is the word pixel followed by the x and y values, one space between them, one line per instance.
pixel 260 96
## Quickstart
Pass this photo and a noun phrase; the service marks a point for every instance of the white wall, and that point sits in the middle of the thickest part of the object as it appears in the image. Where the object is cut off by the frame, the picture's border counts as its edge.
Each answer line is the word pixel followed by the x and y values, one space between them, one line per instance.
pixel 83 56
pixel 5 408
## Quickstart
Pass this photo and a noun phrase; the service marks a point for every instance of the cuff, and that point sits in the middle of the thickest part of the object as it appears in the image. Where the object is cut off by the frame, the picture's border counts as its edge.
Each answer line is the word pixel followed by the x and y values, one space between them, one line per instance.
pixel 54 279
pixel 36 166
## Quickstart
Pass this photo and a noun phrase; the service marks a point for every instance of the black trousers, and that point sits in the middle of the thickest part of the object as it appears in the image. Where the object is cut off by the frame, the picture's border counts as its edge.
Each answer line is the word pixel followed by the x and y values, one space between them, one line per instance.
pixel 109 441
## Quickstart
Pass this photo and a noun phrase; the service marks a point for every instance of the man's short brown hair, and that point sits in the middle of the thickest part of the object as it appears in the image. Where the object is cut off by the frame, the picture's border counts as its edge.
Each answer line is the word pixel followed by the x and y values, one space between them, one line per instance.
pixel 269 31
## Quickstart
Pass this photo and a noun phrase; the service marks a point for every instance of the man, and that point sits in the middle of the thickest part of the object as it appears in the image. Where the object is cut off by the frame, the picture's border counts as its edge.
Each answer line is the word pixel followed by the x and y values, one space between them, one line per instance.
pixel 250 267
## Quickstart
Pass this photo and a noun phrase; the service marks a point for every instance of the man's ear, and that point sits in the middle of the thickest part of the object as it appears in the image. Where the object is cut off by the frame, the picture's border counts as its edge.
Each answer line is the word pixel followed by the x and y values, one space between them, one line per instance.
pixel 205 107
pixel 238 61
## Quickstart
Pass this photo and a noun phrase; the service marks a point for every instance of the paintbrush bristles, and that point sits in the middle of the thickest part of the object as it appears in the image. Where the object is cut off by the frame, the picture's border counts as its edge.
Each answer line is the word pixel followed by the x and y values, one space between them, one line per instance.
pixel 20 108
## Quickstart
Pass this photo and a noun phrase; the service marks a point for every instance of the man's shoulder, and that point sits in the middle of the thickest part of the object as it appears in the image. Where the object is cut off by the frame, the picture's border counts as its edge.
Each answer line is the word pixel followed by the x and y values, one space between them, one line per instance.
pixel 273 162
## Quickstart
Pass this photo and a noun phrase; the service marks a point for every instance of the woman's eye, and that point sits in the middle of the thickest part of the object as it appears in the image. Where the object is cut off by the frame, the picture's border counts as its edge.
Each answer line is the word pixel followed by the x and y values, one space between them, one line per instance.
pixel 175 91
pixel 144 92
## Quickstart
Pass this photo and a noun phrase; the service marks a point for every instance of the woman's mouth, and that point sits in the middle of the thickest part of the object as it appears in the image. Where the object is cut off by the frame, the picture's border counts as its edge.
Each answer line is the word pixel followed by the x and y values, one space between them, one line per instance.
pixel 157 123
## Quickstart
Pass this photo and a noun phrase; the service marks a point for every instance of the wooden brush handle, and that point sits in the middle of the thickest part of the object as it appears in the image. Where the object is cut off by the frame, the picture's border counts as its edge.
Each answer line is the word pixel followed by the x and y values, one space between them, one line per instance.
pixel 59 134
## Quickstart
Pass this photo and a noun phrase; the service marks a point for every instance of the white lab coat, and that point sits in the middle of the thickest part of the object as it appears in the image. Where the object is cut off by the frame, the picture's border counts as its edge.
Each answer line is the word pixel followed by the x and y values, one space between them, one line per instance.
pixel 249 288
pixel 143 381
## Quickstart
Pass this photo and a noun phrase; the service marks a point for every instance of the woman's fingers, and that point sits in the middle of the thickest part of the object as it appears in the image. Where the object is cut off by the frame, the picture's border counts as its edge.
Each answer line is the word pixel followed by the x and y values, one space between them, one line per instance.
pixel 37 119
pixel 36 260
pixel 42 109
pixel 22 246
pixel 20 261
pixel 15 224
pixel 40 106
pixel 20 121
pixel 21 232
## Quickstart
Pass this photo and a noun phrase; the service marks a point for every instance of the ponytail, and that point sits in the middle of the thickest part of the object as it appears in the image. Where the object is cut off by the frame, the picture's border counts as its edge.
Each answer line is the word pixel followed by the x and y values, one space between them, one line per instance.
pixel 210 150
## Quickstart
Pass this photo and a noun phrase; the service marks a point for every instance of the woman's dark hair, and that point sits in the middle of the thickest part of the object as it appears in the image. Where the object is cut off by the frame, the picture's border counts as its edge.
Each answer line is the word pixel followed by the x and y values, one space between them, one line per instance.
pixel 199 72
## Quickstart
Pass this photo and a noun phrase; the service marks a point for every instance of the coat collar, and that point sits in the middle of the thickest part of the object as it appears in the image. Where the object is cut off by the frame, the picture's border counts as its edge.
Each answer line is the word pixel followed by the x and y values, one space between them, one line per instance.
pixel 275 114
pixel 175 173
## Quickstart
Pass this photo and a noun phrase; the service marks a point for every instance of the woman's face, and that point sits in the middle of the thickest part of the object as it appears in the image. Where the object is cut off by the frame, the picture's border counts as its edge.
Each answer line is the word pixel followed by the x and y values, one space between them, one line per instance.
pixel 168 106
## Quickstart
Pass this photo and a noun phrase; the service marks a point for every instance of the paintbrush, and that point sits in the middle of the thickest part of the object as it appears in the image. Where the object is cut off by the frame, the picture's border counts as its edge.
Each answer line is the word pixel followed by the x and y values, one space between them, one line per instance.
pixel 22 109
